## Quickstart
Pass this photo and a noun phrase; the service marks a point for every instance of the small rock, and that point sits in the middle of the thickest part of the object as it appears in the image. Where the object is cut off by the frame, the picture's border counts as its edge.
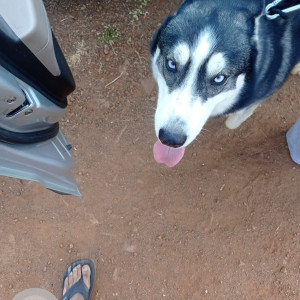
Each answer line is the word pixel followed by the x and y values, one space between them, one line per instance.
pixel 130 248
pixel 241 264
pixel 283 270
pixel 116 274
pixel 106 51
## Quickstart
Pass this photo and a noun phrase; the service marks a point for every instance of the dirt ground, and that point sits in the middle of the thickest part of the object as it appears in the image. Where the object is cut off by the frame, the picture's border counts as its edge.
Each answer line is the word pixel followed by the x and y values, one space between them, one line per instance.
pixel 222 224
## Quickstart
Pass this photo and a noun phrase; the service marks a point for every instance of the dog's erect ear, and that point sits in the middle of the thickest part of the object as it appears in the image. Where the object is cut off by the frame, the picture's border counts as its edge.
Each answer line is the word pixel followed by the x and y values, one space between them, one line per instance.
pixel 256 9
pixel 156 36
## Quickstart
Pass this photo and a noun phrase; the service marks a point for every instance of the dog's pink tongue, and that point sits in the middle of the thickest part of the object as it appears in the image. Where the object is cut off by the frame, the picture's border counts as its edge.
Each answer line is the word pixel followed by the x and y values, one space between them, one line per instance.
pixel 167 155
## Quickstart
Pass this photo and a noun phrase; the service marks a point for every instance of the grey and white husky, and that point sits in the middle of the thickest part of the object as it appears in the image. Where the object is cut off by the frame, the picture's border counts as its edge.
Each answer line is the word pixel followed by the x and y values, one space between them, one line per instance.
pixel 214 58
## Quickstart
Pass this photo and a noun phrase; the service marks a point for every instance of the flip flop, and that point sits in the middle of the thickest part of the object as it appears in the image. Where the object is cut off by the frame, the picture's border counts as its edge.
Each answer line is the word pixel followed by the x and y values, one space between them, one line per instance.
pixel 79 287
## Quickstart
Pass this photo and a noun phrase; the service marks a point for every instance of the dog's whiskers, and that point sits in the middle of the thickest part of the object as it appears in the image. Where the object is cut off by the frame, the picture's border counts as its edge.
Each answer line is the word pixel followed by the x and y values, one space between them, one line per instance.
pixel 196 139
pixel 204 129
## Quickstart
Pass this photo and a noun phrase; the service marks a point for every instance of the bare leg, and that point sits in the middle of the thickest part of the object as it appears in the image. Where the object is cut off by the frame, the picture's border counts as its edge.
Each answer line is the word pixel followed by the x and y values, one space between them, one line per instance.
pixel 236 119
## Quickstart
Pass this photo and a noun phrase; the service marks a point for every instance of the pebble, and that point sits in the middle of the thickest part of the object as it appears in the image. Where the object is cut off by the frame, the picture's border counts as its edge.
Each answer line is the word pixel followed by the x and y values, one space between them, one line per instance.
pixel 130 249
pixel 106 51
pixel 283 270
pixel 116 274
pixel 241 263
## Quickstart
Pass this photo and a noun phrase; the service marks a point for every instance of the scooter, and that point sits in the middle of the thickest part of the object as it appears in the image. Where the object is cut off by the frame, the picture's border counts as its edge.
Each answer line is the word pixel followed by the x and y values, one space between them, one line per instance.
pixel 35 81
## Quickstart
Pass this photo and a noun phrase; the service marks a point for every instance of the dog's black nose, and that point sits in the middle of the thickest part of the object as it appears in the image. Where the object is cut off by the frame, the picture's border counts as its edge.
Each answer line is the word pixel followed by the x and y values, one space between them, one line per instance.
pixel 172 139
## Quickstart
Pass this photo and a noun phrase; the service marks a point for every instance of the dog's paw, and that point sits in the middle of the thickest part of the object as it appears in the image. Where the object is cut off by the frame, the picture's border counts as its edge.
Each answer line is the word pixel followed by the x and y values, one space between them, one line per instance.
pixel 236 119
pixel 233 122
pixel 296 70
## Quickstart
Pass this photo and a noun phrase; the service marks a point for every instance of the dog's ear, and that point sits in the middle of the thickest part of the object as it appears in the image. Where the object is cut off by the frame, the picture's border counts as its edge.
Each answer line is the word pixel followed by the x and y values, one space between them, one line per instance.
pixel 157 34
pixel 255 9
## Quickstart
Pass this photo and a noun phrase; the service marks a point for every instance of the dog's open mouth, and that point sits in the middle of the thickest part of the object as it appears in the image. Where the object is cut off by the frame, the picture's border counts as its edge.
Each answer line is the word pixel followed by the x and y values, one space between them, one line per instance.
pixel 167 155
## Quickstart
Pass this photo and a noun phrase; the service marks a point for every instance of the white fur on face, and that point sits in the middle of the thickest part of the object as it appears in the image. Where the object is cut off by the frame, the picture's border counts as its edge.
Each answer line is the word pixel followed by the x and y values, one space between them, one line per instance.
pixel 216 64
pixel 183 107
pixel 182 53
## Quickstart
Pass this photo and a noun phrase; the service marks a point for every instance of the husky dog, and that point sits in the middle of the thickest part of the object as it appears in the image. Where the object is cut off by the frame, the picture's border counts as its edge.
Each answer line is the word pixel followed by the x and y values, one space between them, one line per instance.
pixel 214 58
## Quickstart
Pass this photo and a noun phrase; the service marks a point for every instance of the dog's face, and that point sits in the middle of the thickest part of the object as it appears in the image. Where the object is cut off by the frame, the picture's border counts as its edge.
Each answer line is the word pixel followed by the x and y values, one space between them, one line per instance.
pixel 200 61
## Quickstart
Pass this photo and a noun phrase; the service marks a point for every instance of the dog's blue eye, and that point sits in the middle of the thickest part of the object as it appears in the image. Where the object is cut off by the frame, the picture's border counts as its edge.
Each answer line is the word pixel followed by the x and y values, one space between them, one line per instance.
pixel 171 65
pixel 219 80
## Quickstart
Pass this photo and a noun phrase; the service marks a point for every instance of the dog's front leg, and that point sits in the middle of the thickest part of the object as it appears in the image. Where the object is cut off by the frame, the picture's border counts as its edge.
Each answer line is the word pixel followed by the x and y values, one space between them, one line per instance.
pixel 296 70
pixel 237 118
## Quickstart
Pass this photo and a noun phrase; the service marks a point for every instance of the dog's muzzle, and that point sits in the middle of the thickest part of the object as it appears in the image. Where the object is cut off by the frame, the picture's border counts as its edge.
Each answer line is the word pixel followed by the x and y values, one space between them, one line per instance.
pixel 172 139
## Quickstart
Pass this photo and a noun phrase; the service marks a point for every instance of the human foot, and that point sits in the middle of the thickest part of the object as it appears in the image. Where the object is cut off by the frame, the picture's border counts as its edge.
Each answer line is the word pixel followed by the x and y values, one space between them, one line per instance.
pixel 78 281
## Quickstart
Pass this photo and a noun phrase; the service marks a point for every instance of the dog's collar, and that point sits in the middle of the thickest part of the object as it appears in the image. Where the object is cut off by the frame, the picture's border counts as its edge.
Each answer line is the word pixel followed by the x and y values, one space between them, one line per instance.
pixel 281 8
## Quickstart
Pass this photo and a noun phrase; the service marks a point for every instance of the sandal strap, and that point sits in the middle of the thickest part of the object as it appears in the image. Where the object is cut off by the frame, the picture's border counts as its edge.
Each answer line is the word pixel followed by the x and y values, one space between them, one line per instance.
pixel 78 288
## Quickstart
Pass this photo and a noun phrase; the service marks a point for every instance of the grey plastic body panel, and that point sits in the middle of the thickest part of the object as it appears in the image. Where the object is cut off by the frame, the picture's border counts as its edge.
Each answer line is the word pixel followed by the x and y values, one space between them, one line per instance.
pixel 11 95
pixel 23 109
pixel 28 19
pixel 48 163
pixel 38 113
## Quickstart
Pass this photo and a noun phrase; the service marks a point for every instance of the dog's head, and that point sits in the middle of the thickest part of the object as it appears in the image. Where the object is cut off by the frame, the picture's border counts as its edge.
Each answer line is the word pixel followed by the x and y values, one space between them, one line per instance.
pixel 200 59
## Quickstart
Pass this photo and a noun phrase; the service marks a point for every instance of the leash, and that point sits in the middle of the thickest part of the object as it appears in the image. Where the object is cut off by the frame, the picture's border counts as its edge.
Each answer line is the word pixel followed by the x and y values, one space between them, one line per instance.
pixel 281 8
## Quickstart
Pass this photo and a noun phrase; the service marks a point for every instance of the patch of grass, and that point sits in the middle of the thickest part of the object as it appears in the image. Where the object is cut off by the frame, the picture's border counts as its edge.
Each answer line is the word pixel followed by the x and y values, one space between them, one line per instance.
pixel 110 33
pixel 143 2
pixel 139 11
